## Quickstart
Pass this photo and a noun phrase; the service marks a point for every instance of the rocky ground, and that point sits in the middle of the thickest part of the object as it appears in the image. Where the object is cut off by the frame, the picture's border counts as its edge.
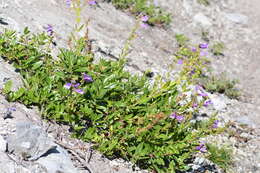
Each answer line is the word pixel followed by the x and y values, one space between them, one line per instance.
pixel 236 23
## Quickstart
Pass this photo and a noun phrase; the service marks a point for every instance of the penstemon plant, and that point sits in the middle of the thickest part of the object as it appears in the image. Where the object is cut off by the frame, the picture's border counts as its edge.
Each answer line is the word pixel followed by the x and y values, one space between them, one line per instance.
pixel 123 115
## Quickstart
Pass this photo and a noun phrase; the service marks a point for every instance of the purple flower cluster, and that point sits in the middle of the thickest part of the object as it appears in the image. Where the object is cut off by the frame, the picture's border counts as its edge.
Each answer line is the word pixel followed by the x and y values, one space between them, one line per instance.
pixel 194 105
pixel 68 85
pixel 179 118
pixel 68 3
pixel 207 103
pixel 49 30
pixel 198 88
pixel 80 91
pixel 193 49
pixel 192 72
pixel 203 94
pixel 203 46
pixel 180 61
pixel 92 2
pixel 144 20
pixel 202 147
pixel 87 78
pixel 215 124
pixel 75 86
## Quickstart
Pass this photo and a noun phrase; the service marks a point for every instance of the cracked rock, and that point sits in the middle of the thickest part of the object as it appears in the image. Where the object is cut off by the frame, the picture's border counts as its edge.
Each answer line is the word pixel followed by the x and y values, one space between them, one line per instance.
pixel 29 142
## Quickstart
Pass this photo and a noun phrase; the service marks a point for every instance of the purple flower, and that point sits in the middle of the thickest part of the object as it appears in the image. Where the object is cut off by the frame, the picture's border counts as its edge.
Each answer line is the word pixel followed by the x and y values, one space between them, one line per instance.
pixel 49 30
pixel 87 78
pixel 192 72
pixel 80 91
pixel 194 105
pixel 68 85
pixel 173 115
pixel 202 148
pixel 198 87
pixel 92 2
pixel 215 124
pixel 203 45
pixel 193 49
pixel 179 118
pixel 203 94
pixel 144 25
pixel 76 85
pixel 208 102
pixel 202 53
pixel 180 61
pixel 68 3
pixel 145 18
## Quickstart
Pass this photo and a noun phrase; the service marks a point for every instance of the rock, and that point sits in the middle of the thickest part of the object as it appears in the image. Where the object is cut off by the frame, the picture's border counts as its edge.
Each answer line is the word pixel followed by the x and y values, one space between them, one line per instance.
pixel 6 165
pixel 219 102
pixel 199 160
pixel 202 19
pixel 237 18
pixel 246 135
pixel 245 120
pixel 201 164
pixel 30 141
pixel 57 160
pixel 187 6
pixel 2 144
pixel 8 73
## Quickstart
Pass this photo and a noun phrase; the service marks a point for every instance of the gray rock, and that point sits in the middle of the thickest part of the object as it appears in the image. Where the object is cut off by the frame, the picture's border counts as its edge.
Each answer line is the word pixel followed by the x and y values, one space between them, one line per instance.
pixel 202 20
pixel 57 160
pixel 2 144
pixel 8 73
pixel 219 102
pixel 30 141
pixel 6 165
pixel 237 18
pixel 245 120
pixel 199 160
pixel 187 6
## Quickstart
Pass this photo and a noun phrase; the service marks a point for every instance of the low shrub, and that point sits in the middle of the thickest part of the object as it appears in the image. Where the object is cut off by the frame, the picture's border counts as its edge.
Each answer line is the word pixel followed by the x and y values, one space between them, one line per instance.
pixel 123 115
pixel 221 84
pixel 144 7
pixel 222 156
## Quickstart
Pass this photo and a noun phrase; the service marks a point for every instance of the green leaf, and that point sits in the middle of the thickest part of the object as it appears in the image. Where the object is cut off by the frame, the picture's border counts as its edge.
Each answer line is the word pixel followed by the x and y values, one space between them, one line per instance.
pixel 7 87
pixel 26 31
pixel 37 65
pixel 16 95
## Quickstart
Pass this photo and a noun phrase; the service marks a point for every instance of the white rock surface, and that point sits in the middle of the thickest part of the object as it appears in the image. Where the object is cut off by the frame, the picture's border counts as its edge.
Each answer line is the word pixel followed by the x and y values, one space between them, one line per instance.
pixel 2 144
pixel 200 18
pixel 57 160
pixel 237 18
